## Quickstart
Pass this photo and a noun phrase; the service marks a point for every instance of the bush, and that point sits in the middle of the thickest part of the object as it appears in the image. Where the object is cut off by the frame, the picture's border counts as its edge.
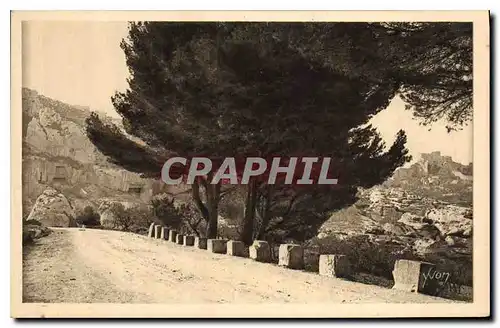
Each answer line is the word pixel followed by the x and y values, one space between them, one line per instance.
pixel 166 212
pixel 140 218
pixel 88 217
pixel 129 219
pixel 365 256
pixel 183 216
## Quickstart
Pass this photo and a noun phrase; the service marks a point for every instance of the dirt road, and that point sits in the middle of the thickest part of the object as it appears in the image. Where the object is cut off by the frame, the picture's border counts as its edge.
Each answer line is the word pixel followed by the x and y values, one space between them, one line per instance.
pixel 77 266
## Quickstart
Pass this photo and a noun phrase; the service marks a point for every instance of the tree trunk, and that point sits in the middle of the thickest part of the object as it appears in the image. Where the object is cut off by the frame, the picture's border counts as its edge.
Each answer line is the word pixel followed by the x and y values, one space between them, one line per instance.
pixel 265 214
pixel 249 217
pixel 210 210
pixel 213 214
pixel 197 199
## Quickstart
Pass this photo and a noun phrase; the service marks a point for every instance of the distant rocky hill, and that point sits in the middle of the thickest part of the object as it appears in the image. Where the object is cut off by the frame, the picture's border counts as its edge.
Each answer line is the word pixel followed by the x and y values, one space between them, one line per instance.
pixel 437 177
pixel 58 154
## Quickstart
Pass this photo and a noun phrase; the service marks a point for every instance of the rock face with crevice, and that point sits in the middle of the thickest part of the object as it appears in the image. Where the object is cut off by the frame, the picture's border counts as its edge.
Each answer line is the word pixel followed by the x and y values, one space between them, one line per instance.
pixel 52 209
pixel 58 154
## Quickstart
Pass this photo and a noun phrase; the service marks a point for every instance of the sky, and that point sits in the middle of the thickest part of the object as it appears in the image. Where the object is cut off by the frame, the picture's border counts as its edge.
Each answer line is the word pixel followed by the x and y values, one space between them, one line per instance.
pixel 81 63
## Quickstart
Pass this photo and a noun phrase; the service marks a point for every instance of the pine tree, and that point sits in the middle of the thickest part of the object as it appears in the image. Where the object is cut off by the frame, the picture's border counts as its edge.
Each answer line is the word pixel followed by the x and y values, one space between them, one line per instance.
pixel 432 62
pixel 253 89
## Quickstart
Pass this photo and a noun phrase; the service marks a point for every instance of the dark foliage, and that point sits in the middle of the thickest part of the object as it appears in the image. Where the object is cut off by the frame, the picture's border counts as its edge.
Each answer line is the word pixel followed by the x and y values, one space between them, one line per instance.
pixel 88 217
pixel 434 69
pixel 280 89
pixel 180 216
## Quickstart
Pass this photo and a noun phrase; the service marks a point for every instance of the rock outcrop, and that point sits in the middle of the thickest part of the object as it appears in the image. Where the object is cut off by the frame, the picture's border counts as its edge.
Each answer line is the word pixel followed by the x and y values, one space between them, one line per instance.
pixel 58 154
pixel 52 209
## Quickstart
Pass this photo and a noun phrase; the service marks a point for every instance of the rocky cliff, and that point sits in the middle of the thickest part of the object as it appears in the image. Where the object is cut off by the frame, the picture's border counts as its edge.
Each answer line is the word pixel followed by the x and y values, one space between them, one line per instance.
pixel 58 154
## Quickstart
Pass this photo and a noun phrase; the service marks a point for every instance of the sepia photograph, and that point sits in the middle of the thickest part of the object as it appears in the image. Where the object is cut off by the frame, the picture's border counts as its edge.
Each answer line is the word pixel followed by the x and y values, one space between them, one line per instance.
pixel 250 164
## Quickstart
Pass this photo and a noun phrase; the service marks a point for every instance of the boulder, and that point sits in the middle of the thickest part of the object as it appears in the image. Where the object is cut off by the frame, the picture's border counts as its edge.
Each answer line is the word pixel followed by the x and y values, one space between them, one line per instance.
pixel 452 220
pixel 108 220
pixel 414 221
pixel 32 232
pixel 53 209
pixel 260 251
pixel 200 242
pixel 291 256
pixel 396 229
pixel 334 265
pixel 217 246
pixel 422 227
pixel 236 248
pixel 188 241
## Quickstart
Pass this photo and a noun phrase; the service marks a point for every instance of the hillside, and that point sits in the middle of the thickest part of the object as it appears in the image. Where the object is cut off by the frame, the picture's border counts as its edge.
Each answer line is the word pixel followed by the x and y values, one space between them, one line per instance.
pixel 58 154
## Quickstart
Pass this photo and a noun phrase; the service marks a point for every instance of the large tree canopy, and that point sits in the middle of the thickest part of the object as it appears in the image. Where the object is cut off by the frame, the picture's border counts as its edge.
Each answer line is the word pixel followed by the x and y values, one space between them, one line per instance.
pixel 433 64
pixel 270 89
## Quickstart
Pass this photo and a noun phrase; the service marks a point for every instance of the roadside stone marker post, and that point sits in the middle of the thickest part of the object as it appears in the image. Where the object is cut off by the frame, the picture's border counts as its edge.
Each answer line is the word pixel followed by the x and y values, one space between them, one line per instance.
pixel 236 248
pixel 260 251
pixel 291 256
pixel 151 230
pixel 200 242
pixel 188 241
pixel 334 266
pixel 419 277
pixel 164 233
pixel 158 231
pixel 217 246
pixel 172 235
pixel 179 239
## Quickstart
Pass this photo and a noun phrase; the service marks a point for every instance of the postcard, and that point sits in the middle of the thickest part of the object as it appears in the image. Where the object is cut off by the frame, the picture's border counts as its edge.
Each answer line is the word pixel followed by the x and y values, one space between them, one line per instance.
pixel 171 164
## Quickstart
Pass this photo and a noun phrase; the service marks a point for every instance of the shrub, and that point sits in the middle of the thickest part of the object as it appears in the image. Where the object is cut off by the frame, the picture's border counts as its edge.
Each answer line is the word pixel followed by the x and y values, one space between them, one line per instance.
pixel 134 218
pixel 140 218
pixel 88 217
pixel 364 255
pixel 166 212
pixel 378 259
pixel 183 216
